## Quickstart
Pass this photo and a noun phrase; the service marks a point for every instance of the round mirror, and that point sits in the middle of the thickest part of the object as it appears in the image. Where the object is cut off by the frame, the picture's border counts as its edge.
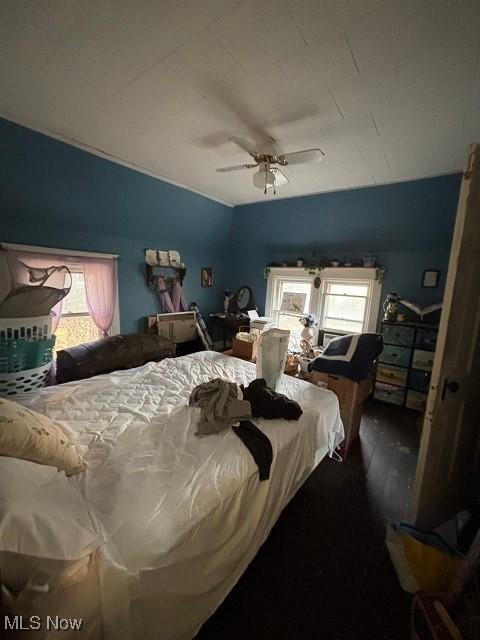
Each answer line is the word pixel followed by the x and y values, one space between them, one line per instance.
pixel 244 299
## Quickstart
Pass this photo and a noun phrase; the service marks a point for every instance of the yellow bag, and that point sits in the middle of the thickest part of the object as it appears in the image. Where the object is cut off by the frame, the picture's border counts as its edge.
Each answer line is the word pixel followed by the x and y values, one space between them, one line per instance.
pixel 419 566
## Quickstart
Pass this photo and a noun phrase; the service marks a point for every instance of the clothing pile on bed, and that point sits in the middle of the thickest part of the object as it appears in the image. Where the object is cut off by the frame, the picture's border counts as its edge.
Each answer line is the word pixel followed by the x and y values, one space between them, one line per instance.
pixel 225 404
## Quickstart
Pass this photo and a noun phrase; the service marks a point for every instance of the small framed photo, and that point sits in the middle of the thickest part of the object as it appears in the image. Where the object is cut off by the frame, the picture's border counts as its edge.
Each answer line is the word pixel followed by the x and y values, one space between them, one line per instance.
pixel 430 278
pixel 207 277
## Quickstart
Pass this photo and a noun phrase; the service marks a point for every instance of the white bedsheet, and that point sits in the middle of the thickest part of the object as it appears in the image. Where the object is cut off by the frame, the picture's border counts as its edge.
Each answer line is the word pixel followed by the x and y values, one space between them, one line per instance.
pixel 183 515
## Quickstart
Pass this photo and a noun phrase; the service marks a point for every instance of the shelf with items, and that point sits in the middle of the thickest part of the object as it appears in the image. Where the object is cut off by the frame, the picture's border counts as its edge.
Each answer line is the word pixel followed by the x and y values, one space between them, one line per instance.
pixel 405 365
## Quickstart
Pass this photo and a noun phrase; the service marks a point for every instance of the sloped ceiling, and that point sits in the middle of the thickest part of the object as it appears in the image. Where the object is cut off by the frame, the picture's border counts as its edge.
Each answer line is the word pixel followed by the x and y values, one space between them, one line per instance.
pixel 388 89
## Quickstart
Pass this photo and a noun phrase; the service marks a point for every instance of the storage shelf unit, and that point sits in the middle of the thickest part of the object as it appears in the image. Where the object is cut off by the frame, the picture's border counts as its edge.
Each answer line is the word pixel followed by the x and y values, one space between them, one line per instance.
pixel 405 365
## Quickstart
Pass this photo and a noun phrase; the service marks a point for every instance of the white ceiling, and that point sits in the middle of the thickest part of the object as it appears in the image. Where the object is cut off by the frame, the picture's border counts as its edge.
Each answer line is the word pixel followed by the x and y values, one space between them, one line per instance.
pixel 388 89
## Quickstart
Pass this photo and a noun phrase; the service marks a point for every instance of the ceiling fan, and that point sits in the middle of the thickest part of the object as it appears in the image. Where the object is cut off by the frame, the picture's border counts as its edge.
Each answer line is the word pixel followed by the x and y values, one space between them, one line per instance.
pixel 268 177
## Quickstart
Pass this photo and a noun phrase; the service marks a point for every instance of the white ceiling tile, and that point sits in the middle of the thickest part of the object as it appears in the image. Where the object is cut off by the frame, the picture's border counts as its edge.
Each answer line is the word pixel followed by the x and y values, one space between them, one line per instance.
pixel 316 18
pixel 380 97
pixel 438 64
pixel 188 17
pixel 155 96
pixel 80 76
pixel 57 17
pixel 91 70
pixel 456 20
pixel 265 91
pixel 24 48
pixel 146 31
pixel 382 37
pixel 106 131
pixel 205 64
pixel 257 33
pixel 129 32
pixel 321 65
pixel 376 161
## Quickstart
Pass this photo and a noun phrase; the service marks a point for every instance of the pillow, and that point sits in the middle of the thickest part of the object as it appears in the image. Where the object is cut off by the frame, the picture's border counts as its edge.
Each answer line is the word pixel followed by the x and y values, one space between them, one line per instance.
pixel 45 523
pixel 29 435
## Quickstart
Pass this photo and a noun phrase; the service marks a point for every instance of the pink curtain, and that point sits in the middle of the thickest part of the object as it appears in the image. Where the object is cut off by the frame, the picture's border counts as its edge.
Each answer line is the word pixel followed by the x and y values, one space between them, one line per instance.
pixel 101 289
pixel 40 261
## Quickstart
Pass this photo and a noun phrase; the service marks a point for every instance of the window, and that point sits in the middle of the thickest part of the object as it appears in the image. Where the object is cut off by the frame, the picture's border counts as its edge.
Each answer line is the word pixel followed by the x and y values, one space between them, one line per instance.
pixel 347 301
pixel 290 295
pixel 345 306
pixel 76 326
pixel 78 322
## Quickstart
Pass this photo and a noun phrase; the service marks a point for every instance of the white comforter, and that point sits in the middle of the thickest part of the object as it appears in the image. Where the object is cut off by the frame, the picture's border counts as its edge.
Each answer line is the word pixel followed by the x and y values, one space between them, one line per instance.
pixel 183 515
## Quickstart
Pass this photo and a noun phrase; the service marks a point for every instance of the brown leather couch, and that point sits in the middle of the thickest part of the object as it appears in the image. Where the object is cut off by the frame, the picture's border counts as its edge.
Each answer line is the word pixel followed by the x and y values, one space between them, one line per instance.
pixel 110 354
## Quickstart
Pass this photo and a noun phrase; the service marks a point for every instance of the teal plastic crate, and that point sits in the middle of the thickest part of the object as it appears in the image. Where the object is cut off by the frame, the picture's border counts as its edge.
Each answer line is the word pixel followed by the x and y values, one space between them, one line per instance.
pixel 19 355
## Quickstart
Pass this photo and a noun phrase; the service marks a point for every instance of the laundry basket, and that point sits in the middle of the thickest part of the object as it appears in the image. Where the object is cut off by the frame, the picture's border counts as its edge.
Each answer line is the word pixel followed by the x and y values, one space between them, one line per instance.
pixel 19 355
pixel 25 361
pixel 17 382
pixel 36 328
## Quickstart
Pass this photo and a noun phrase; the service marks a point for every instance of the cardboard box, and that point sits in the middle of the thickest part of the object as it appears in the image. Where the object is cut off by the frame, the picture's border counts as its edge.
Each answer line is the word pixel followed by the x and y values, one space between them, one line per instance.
pixel 350 393
pixel 244 349
pixel 262 324
pixel 351 396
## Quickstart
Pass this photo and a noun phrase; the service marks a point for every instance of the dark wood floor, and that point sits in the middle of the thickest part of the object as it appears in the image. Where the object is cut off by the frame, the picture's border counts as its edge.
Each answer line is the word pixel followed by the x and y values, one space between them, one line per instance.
pixel 324 571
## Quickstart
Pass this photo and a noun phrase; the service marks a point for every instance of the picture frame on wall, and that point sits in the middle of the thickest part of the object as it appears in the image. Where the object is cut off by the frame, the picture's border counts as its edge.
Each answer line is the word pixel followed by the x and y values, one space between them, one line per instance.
pixel 430 278
pixel 207 277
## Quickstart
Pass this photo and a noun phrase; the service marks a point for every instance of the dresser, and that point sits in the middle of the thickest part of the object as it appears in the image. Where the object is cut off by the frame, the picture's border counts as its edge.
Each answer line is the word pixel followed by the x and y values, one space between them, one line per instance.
pixel 405 364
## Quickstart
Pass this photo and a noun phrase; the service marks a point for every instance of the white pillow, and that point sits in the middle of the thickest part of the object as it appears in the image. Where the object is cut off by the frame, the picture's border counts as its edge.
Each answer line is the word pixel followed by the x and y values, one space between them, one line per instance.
pixel 44 522
pixel 29 435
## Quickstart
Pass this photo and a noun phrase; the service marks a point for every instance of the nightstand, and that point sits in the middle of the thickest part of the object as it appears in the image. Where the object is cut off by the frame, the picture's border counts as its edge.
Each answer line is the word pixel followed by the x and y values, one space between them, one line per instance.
pixel 229 324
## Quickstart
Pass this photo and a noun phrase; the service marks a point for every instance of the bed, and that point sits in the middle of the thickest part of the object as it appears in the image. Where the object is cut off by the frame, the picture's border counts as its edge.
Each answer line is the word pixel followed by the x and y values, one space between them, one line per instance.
pixel 182 516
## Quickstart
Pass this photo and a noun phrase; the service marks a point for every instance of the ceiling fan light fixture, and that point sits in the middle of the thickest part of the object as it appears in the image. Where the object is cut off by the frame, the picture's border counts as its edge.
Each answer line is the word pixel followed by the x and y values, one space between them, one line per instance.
pixel 264 178
pixel 268 177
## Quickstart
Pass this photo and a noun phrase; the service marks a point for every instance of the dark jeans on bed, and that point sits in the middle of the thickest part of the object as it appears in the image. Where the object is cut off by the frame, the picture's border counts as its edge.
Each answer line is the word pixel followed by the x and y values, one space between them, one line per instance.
pixel 259 446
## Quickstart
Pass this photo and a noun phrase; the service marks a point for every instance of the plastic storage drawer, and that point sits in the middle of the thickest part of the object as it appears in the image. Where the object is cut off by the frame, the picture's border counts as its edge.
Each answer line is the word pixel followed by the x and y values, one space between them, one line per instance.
pixel 393 354
pixel 416 400
pixel 392 375
pixel 389 393
pixel 423 360
pixel 426 339
pixel 402 336
pixel 419 380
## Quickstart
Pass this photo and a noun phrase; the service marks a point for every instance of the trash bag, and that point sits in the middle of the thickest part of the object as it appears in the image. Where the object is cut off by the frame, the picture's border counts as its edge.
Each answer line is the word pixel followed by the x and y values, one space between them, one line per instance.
pixel 423 560
pixel 272 355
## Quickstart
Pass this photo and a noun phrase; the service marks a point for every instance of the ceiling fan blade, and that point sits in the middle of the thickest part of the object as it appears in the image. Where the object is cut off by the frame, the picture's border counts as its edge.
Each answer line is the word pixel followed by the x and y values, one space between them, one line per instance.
pixel 301 157
pixel 280 178
pixel 246 145
pixel 236 167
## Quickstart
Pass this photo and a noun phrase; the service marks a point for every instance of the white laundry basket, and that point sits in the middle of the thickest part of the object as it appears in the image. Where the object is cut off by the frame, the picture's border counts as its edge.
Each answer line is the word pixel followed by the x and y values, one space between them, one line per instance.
pixel 36 328
pixel 18 334
pixel 17 382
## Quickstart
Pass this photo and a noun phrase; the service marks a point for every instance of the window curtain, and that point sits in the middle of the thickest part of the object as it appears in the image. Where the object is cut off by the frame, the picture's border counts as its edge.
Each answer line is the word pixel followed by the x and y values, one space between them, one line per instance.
pixel 101 290
pixel 39 261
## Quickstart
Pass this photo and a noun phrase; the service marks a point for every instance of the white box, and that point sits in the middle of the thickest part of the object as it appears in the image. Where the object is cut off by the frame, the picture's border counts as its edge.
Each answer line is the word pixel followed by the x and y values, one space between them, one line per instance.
pixel 262 323
pixel 177 327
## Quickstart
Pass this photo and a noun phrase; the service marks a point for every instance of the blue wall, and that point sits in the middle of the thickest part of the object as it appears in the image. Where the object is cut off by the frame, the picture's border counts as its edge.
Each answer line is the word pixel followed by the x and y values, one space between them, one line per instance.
pixel 407 226
pixel 56 195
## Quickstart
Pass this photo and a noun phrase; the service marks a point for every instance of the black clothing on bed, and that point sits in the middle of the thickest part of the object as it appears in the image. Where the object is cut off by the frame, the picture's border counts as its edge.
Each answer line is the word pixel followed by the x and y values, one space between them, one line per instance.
pixel 269 404
pixel 259 446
